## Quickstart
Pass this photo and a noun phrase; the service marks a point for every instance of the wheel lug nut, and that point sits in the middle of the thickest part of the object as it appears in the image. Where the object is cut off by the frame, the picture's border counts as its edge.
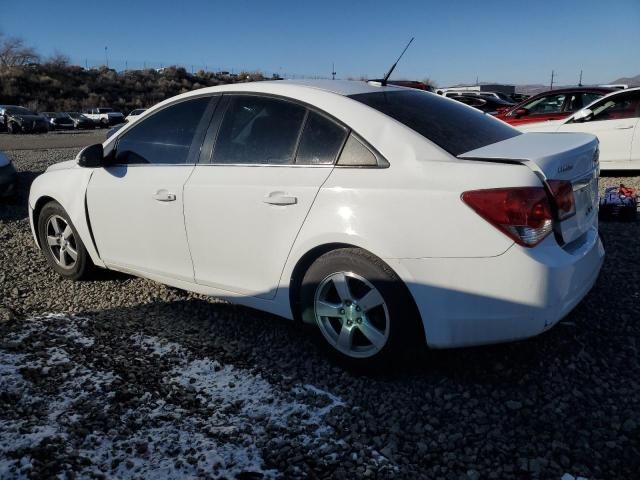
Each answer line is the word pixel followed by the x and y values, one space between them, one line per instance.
pixel 342 311
pixel 357 309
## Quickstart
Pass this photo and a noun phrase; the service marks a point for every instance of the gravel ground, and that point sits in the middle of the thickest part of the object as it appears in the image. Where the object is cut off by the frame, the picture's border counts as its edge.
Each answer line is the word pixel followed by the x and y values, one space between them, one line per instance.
pixel 57 139
pixel 125 378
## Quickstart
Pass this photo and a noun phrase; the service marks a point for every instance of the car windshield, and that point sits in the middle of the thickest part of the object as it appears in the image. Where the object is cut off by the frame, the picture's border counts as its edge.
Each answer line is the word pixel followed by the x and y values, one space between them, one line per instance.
pixel 18 111
pixel 450 125
pixel 105 110
pixel 73 114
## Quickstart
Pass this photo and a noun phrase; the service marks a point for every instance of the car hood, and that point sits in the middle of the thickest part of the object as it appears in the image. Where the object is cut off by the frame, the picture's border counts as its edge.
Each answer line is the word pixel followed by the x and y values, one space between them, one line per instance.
pixel 62 166
pixel 548 126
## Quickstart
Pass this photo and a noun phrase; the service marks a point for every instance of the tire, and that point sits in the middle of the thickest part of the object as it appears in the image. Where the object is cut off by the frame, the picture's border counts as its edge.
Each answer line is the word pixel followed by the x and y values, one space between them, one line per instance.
pixel 13 128
pixel 104 123
pixel 357 333
pixel 54 225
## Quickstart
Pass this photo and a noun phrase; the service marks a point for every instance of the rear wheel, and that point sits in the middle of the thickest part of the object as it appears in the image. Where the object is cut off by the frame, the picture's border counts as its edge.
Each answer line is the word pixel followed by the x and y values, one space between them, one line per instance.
pixel 104 123
pixel 61 244
pixel 362 309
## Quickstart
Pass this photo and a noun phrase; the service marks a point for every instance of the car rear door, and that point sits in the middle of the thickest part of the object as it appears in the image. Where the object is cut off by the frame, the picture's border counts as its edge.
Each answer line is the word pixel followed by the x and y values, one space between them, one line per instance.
pixel 615 122
pixel 248 198
pixel 135 204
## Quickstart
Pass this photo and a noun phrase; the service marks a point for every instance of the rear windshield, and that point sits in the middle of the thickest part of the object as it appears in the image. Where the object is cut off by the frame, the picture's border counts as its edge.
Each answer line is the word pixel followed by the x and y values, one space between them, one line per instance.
pixel 451 125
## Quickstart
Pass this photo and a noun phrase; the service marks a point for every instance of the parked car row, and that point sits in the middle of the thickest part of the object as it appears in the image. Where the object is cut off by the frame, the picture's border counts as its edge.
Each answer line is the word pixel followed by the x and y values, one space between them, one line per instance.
pixel 17 119
pixel 613 118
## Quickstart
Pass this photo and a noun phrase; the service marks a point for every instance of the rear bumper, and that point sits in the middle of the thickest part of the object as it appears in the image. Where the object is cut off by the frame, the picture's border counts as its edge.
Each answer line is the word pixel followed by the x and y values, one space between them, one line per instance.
pixel 519 294
pixel 8 177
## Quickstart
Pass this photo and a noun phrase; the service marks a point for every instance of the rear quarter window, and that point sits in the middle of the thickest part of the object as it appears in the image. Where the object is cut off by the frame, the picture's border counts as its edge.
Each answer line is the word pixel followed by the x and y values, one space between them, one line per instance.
pixel 450 125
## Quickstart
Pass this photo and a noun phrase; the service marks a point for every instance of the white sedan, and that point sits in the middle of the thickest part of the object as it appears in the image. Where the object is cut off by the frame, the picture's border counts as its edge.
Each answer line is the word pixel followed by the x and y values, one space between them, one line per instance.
pixel 615 119
pixel 383 215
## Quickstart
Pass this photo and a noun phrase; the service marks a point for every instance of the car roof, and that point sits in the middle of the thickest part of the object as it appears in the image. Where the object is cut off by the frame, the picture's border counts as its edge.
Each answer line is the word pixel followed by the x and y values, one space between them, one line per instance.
pixel 340 87
pixel 576 90
pixel 620 92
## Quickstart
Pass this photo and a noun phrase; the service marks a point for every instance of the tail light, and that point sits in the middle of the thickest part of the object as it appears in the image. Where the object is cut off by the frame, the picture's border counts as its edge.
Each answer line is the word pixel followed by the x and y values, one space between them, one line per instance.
pixel 563 195
pixel 521 213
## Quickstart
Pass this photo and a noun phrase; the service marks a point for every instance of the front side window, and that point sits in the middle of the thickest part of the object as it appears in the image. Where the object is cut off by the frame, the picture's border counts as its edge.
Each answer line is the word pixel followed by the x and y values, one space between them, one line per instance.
pixel 450 125
pixel 617 108
pixel 163 138
pixel 258 130
pixel 546 104
pixel 321 141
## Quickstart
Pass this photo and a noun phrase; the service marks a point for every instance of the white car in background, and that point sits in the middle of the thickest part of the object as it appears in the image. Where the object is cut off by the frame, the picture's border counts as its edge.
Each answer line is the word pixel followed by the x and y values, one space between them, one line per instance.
pixel 614 119
pixel 383 215
pixel 133 114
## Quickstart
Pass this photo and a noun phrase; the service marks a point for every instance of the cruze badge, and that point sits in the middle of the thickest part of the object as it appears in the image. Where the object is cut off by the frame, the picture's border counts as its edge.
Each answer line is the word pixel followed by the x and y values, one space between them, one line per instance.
pixel 565 168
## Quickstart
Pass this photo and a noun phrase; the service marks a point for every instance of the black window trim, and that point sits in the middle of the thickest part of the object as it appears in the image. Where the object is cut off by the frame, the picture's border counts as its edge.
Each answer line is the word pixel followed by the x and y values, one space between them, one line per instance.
pixel 213 130
pixel 196 143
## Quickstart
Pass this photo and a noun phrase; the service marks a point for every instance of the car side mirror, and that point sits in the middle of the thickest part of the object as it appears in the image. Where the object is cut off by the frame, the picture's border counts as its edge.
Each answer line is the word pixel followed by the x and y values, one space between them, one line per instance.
pixel 521 112
pixel 91 156
pixel 583 115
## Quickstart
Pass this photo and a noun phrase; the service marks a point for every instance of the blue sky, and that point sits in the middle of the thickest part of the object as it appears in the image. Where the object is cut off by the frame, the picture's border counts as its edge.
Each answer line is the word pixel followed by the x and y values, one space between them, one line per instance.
pixel 456 41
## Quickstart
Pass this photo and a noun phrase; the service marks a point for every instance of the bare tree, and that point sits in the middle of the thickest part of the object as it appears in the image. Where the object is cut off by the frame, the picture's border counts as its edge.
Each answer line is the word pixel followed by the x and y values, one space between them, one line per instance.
pixel 13 52
pixel 58 60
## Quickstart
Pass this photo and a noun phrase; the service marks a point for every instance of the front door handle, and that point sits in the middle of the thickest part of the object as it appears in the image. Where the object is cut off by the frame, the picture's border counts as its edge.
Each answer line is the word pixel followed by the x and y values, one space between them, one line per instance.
pixel 280 198
pixel 164 196
pixel 627 127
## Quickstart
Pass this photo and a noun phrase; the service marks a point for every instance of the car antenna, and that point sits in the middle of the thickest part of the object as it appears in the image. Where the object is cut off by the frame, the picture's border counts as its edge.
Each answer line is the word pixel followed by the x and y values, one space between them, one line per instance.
pixel 386 77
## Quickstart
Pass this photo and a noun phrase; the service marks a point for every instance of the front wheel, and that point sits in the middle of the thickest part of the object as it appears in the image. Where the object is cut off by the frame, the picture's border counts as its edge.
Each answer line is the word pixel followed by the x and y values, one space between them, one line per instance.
pixel 61 244
pixel 13 128
pixel 362 309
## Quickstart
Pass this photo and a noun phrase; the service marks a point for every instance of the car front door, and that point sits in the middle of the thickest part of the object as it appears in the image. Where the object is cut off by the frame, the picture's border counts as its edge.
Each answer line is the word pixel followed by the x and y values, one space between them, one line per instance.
pixel 247 200
pixel 615 122
pixel 539 109
pixel 135 203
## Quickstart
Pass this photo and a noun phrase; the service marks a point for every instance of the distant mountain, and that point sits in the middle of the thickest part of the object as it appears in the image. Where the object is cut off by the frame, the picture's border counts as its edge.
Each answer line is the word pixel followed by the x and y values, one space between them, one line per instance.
pixel 631 81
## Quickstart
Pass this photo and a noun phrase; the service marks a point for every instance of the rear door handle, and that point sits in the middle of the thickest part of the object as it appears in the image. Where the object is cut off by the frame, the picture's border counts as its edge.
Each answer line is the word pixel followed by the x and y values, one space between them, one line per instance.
pixel 164 196
pixel 280 198
pixel 625 127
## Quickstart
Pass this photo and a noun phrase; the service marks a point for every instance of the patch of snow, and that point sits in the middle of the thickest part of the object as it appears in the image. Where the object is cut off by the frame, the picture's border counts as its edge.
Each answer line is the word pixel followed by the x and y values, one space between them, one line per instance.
pixel 242 410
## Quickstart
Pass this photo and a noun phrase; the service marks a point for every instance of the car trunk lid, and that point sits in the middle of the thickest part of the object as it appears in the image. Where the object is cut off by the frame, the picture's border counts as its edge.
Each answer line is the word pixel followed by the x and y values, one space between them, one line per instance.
pixel 571 157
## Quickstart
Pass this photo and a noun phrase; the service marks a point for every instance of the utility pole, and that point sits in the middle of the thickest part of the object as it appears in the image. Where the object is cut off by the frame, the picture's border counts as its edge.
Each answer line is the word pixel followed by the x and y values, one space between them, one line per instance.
pixel 477 80
pixel 553 75
pixel 580 81
pixel 333 71
pixel 86 64
pixel 106 56
pixel 126 65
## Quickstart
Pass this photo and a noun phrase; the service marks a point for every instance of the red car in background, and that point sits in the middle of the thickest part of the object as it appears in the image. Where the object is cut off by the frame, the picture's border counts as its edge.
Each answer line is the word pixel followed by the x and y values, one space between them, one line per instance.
pixel 552 105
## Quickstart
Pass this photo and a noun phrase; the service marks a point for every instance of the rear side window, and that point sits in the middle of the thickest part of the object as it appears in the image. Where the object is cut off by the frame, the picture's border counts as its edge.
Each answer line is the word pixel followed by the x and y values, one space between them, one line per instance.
pixel 355 154
pixel 321 141
pixel 259 130
pixel 164 137
pixel 450 125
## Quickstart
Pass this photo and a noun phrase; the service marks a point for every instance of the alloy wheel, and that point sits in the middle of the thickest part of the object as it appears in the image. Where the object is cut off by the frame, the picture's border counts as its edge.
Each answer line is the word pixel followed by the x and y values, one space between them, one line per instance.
pixel 61 242
pixel 352 315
